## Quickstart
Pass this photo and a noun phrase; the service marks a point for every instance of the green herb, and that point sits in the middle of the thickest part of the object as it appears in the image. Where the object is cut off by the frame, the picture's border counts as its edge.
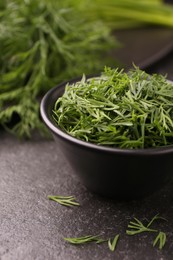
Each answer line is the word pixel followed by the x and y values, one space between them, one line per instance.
pixel 84 239
pixel 42 44
pixel 45 43
pixel 160 239
pixel 64 200
pixel 130 13
pixel 138 227
pixel 156 217
pixel 113 243
pixel 119 109
pixel 99 241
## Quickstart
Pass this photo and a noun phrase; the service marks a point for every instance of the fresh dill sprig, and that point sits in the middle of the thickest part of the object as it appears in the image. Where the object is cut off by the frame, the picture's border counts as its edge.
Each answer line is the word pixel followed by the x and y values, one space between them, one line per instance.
pixel 87 239
pixel 156 217
pixel 68 201
pixel 112 244
pixel 43 44
pixel 84 239
pixel 122 14
pixel 160 239
pixel 138 227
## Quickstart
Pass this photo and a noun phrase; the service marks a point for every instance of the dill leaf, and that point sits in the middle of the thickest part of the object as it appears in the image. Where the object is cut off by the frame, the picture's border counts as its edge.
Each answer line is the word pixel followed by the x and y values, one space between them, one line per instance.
pixel 136 227
pixel 113 243
pixel 64 200
pixel 160 239
pixel 156 217
pixel 83 239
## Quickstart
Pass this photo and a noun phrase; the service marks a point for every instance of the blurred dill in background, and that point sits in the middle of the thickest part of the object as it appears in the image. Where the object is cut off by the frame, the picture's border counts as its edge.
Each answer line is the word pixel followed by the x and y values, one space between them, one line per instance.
pixel 43 43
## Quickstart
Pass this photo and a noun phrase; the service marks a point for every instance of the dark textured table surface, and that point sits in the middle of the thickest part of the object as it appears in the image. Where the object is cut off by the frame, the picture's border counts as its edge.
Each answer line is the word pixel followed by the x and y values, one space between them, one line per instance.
pixel 33 227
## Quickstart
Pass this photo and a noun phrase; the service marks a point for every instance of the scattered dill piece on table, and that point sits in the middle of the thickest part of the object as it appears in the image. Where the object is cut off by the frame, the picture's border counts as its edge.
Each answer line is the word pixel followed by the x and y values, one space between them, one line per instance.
pixel 160 240
pixel 112 244
pixel 84 239
pixel 156 217
pixel 64 200
pixel 136 227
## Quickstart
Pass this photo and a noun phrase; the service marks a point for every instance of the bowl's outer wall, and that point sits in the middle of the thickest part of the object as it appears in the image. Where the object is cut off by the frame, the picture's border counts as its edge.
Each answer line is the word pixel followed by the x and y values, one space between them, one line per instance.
pixel 117 175
pixel 114 174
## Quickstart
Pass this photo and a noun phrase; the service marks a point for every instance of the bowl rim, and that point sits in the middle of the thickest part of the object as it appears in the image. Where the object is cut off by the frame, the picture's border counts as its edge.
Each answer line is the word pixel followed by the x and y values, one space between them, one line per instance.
pixel 59 132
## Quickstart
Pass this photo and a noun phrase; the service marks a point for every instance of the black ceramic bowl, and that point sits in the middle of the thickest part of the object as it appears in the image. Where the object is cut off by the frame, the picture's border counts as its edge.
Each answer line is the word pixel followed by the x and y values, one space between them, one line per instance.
pixel 112 172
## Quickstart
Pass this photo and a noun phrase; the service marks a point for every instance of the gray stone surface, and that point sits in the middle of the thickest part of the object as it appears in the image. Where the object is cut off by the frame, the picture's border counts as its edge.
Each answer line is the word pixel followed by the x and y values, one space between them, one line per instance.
pixel 33 227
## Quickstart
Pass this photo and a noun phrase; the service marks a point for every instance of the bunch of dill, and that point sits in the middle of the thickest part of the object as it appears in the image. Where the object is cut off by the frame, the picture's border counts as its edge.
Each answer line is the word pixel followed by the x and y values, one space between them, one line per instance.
pixel 41 44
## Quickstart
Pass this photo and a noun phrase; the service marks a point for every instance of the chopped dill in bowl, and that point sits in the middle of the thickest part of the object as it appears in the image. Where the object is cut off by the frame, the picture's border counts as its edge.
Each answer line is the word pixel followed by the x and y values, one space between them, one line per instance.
pixel 118 109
